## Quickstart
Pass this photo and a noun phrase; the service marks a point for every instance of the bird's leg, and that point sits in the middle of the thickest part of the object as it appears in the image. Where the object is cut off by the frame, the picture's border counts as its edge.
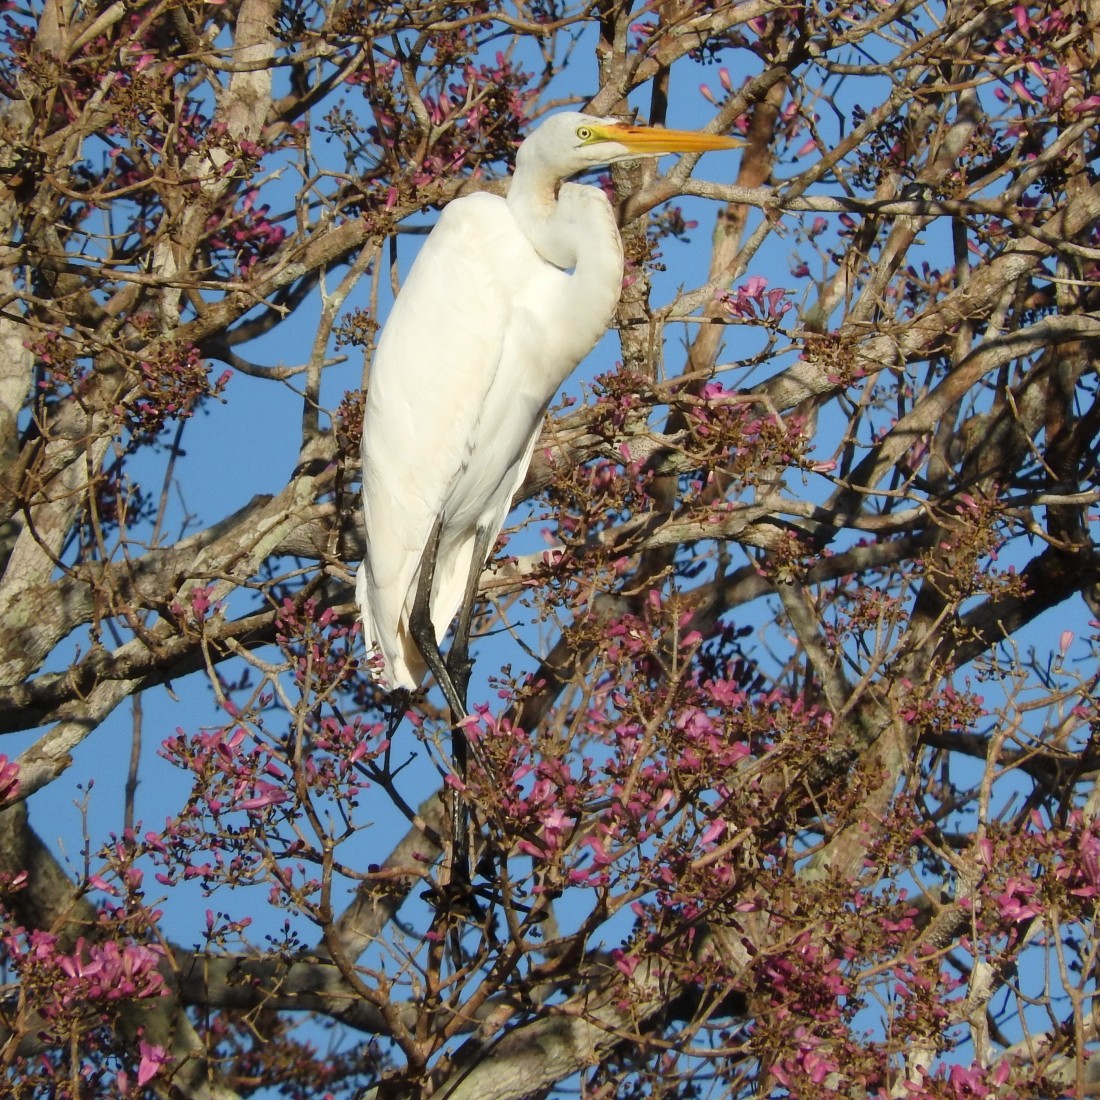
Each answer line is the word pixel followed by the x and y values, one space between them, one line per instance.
pixel 459 665
pixel 422 628
pixel 423 632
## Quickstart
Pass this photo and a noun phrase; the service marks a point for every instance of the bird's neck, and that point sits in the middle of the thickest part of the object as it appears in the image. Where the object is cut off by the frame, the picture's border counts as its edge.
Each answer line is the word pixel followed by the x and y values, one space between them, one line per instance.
pixel 533 201
pixel 570 226
pixel 573 228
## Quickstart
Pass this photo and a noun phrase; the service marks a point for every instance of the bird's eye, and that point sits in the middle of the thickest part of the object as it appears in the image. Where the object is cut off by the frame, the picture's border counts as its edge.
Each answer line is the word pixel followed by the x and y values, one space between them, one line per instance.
pixel 584 133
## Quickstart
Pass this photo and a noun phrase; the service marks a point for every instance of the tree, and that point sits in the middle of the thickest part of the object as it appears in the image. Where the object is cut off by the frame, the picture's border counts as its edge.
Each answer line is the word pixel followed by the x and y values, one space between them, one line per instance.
pixel 787 758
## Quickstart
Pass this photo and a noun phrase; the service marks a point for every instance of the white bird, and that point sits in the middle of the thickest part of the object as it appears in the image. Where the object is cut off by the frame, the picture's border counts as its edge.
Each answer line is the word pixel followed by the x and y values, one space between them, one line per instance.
pixel 505 298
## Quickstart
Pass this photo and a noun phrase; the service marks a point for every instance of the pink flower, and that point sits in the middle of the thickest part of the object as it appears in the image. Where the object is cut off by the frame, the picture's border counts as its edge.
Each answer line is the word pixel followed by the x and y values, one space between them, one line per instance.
pixel 1020 90
pixel 1013 902
pixel 753 300
pixel 9 780
pixel 152 1058
pixel 266 795
pixel 625 963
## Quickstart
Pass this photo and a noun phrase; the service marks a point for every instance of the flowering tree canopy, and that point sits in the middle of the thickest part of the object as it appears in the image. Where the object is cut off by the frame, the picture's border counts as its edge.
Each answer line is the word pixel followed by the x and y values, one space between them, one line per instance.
pixel 786 677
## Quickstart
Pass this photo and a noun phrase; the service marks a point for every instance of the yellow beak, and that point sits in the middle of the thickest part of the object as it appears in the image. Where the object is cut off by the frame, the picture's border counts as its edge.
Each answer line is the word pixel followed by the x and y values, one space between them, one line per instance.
pixel 651 140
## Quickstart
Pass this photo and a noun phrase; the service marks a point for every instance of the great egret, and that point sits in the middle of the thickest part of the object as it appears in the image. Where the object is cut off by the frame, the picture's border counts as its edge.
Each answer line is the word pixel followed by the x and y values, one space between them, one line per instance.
pixel 504 300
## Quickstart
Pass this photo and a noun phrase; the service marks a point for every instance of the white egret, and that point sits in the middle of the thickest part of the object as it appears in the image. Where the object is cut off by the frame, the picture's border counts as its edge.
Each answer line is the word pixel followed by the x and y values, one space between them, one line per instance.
pixel 504 300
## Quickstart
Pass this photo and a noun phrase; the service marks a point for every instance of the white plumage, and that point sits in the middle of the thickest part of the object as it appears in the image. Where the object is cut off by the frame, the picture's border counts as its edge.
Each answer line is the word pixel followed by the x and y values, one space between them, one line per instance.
pixel 504 300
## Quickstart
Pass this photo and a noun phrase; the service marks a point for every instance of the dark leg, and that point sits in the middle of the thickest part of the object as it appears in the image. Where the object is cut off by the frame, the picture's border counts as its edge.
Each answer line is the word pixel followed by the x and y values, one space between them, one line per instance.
pixel 459 665
pixel 453 678
pixel 423 630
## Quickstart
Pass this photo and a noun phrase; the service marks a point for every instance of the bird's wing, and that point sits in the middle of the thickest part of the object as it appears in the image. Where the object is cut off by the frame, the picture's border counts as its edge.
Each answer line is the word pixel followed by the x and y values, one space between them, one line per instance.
pixel 435 364
pixel 553 320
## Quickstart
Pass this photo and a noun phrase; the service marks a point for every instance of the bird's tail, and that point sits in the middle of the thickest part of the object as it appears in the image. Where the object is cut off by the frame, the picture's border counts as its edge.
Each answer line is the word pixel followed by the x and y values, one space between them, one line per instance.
pixel 399 666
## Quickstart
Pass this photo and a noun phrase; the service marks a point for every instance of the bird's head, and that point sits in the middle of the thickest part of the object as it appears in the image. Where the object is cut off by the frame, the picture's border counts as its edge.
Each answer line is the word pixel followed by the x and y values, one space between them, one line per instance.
pixel 570 142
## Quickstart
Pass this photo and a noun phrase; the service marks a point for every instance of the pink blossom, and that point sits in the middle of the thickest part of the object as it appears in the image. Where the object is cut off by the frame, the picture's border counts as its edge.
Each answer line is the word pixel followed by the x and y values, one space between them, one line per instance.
pixel 1013 902
pixel 9 780
pixel 152 1058
pixel 1021 91
pixel 625 963
pixel 267 795
pixel 751 301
